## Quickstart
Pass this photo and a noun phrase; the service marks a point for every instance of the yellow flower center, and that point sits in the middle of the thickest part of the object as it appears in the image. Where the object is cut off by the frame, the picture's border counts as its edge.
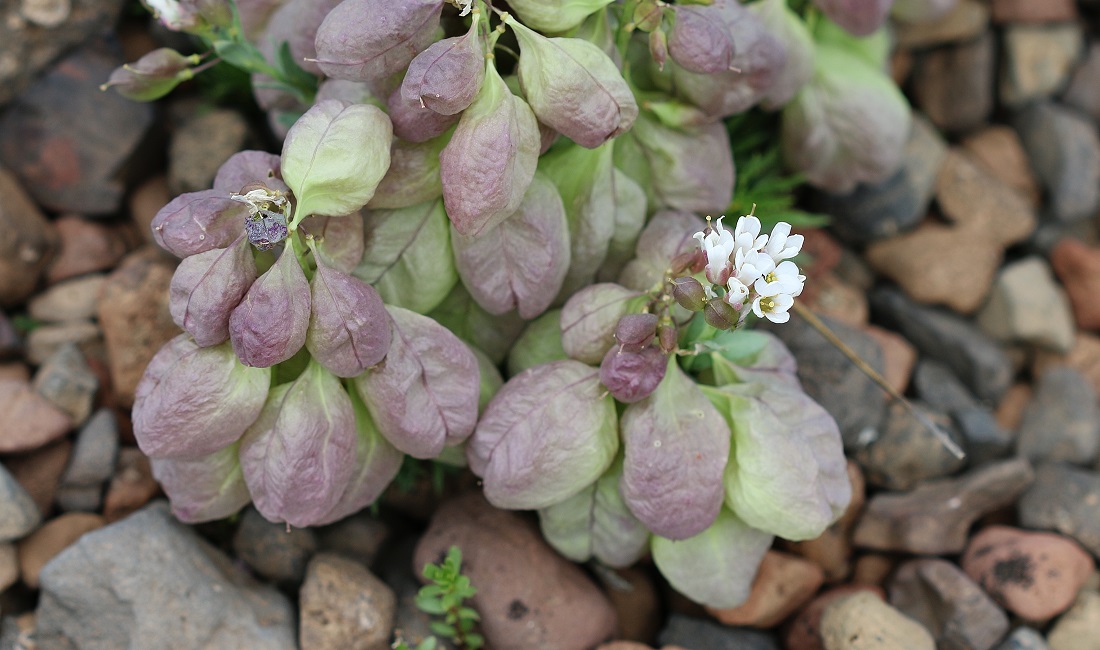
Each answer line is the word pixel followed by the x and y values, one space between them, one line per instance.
pixel 767 304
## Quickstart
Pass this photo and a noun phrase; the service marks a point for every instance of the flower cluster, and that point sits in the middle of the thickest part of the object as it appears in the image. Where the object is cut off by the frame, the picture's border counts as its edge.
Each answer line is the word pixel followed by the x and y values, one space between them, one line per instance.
pixel 753 269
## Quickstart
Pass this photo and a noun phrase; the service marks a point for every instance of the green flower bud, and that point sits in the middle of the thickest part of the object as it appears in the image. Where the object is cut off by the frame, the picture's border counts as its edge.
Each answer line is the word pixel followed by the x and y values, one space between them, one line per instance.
pixel 689 293
pixel 720 315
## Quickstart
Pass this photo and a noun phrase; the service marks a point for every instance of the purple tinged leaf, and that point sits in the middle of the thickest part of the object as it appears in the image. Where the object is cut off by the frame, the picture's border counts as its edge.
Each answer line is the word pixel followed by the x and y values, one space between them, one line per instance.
pixel 361 40
pixel 493 334
pixel 716 567
pixel 491 381
pixel 203 489
pixel 196 222
pixel 767 361
pixel 299 456
pixel 548 433
pixel 352 92
pixel 349 329
pixel 414 122
pixel 193 401
pixel 630 216
pixel 447 76
pixel 295 23
pixel 520 263
pixel 667 235
pixel 858 17
pixel 791 32
pixel 700 39
pixel 207 287
pixel 632 374
pixel 255 15
pixel 270 323
pixel 424 395
pixel 588 320
pixel 413 176
pixel 339 239
pixel 677 445
pixel 574 87
pixel 539 343
pixel 246 167
pixel 491 158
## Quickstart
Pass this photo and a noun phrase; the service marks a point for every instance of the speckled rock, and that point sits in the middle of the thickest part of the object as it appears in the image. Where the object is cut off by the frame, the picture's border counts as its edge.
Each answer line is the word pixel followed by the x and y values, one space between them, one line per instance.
pixel 903 451
pixel 1037 61
pixel 1064 150
pixel 804 632
pixel 1062 421
pixel 28 420
pixel 278 554
pixel 1065 499
pixel 51 538
pixel 783 583
pixel 344 606
pixel 943 599
pixel 998 150
pixel 863 622
pixel 44 341
pixel 1076 630
pixel 980 203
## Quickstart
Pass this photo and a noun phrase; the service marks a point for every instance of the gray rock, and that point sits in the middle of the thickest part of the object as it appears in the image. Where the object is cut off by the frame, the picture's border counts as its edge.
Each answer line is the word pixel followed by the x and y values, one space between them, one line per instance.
pixel 44 341
pixel 200 145
pixel 9 566
pixel 1083 91
pixel 18 514
pixel 79 498
pixel 905 452
pixel 149 581
pixel 1037 60
pixel 17 633
pixel 1024 638
pixel 935 384
pixel 1061 423
pixel 1065 499
pixel 1064 151
pixel 831 379
pixel 1027 305
pixel 71 300
pixel 985 439
pixel 271 550
pixel 10 342
pixel 699 634
pixel 358 537
pixel 67 381
pixel 343 605
pixel 873 212
pixel 953 85
pixel 94 453
pixel 938 334
pixel 939 596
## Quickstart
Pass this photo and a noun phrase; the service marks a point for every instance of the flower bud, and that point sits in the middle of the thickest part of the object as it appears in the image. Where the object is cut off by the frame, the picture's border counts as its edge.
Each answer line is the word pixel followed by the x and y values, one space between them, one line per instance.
pixel 446 77
pixel 666 337
pixel 414 122
pixel 720 315
pixel 207 287
pixel 203 489
pixel 636 329
pixel 648 15
pixel 361 40
pixel 658 48
pixel 270 323
pixel 555 16
pixel 177 15
pixel 349 330
pixel 700 40
pixel 198 221
pixel 152 76
pixel 632 374
pixel 574 87
pixel 689 293
pixel 193 401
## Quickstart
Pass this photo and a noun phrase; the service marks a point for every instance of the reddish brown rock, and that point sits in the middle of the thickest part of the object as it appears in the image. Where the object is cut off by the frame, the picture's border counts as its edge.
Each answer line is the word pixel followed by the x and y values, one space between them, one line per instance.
pixel 980 203
pixel 85 247
pixel 833 297
pixel 1077 265
pixel 634 597
pixel 804 632
pixel 27 241
pixel 1085 357
pixel 528 595
pixel 782 585
pixel 833 549
pixel 1033 574
pixel 898 355
pixel 51 538
pixel 872 569
pixel 999 151
pixel 1031 11
pixel 39 472
pixel 131 487
pixel 1011 407
pixel 28 420
pixel 134 316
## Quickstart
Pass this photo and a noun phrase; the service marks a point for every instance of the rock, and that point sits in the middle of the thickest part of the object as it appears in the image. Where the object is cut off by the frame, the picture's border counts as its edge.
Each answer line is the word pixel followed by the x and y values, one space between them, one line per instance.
pixel 636 601
pixel 131 487
pixel 899 357
pixel 981 204
pixel 146 200
pixel 1011 407
pixel 1076 630
pixel 985 439
pixel 39 472
pixel 1085 357
pixel 67 381
pixel 29 241
pixel 998 150
pixel 71 300
pixel 15 371
pixel 1037 61
pixel 857 403
pixel 782 584
pixel 200 145
pixel 975 359
pixel 9 566
pixel 344 606
pixel 68 141
pixel 873 212
pixel 1064 151
pixel 939 596
pixel 1077 265
pixel 528 595
pixel 395 569
pixel 17 632
pixel 953 85
pixel 18 513
pixel 133 311
pixel 93 460
pixel 80 498
pixel 872 569
pixel 863 622
pixel 1062 421
pixel 936 385
pixel 623 645
pixel 1026 11
pixel 358 537
pixel 1027 306
pixel 804 632
pixel 1034 575
pixel 699 634
pixel 85 247
pixel 54 536
pixel 966 21
pixel 903 451
pixel 835 298
pixel 10 343
pixel 833 549
pixel 44 341
pixel 928 262
pixel 278 554
pixel 1083 90
pixel 934 518
pixel 1024 638
pixel 1064 499
pixel 28 420
pixel 151 582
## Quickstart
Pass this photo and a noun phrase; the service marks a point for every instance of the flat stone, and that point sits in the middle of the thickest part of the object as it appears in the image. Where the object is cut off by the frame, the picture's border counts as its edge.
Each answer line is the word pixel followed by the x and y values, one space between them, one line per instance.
pixel 998 150
pixel 133 312
pixel 939 596
pixel 44 341
pixel 200 145
pixel 39 472
pixel 67 381
pixel 1062 421
pixel 54 536
pixel 29 241
pixel 1064 499
pixel 699 634
pixel 903 451
pixel 1037 61
pixel 977 360
pixel 95 451
pixel 1026 305
pixel 979 203
pixel 832 550
pixel 9 566
pixel 149 578
pixel 272 551
pixel 783 583
pixel 85 247
pixel 935 384
pixel 862 621
pixel 1064 151
pixel 953 84
pixel 965 21
pixel 18 514
pixel 1076 630
pixel 1034 575
pixel 1085 357
pixel 1083 90
pixel 1028 11
pixel 28 420
pixel 1024 638
pixel 1077 266
pixel 934 518
pixel 131 487
pixel 986 440
pixel 71 300
pixel 344 607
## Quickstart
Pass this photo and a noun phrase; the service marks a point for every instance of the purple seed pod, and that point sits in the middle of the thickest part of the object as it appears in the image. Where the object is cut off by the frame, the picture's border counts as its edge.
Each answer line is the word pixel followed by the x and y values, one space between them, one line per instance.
pixel 636 329
pixel 588 320
pixel 207 287
pixel 203 489
pixel 349 329
pixel 719 315
pixel 193 401
pixel 667 335
pixel 414 122
pixel 689 293
pixel 631 373
pixel 447 76
pixel 700 40
pixel 152 76
pixel 246 167
pixel 270 323
pixel 371 39
pixel 198 221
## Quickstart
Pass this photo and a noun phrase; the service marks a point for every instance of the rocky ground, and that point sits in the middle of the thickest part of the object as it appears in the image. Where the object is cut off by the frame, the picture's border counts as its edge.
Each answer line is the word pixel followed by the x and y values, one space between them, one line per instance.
pixel 971 279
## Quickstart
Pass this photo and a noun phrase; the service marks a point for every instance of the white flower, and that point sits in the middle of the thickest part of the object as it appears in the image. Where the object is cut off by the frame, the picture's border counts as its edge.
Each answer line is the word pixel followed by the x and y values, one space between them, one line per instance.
pixel 773 306
pixel 465 5
pixel 261 200
pixel 783 279
pixel 718 244
pixel 748 266
pixel 736 293
pixel 168 12
pixel 747 235
pixel 782 244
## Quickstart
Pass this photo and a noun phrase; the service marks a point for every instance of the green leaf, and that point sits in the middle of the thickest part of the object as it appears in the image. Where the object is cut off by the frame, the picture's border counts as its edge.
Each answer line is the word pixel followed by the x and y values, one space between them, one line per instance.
pixel 475 641
pixel 239 54
pixel 293 74
pixel 430 605
pixel 468 614
pixel 441 628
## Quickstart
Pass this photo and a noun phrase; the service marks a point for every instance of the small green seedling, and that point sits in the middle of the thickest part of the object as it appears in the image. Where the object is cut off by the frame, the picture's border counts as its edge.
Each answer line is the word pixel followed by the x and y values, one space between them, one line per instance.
pixel 444 597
